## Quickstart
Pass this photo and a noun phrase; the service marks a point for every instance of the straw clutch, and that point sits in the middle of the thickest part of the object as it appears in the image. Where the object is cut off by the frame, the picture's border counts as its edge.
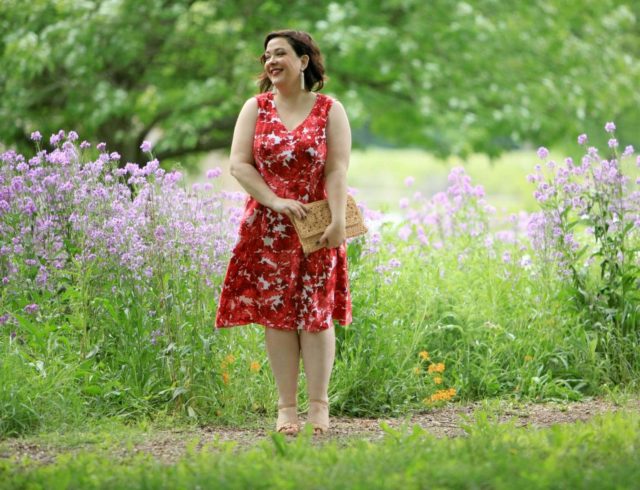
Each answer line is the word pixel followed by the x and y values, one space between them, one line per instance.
pixel 311 228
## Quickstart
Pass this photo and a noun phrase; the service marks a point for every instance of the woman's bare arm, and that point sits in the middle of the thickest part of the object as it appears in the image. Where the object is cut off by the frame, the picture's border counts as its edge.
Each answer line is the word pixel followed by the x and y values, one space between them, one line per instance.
pixel 336 166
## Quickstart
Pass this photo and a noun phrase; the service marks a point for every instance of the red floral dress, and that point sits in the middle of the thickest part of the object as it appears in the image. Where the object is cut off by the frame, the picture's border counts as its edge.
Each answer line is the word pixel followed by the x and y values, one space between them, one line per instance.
pixel 269 281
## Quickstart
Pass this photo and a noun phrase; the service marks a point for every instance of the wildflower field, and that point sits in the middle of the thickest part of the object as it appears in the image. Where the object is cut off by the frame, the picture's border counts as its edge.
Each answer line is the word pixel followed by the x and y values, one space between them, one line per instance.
pixel 110 277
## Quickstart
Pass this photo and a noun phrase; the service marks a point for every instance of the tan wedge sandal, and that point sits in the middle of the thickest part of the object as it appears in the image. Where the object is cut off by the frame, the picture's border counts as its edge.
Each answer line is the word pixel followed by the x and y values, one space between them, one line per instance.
pixel 320 426
pixel 287 422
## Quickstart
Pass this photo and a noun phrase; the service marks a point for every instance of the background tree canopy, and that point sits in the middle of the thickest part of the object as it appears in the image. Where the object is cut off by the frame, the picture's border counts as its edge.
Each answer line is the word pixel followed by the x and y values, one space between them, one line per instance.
pixel 451 77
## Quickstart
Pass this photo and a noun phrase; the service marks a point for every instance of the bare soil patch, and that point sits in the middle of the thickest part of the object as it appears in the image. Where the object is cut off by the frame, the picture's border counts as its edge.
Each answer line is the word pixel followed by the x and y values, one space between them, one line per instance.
pixel 168 446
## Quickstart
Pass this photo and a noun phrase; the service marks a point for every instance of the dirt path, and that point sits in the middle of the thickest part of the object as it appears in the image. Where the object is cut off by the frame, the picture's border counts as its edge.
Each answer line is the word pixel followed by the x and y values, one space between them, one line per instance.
pixel 168 446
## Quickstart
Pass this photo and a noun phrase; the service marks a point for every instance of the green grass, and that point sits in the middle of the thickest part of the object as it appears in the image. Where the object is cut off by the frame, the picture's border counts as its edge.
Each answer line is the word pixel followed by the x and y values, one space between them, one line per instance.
pixel 601 453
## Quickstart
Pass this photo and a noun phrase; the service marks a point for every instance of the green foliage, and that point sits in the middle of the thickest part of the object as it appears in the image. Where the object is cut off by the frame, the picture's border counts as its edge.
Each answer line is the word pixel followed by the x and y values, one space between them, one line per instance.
pixel 451 77
pixel 427 321
pixel 35 392
pixel 600 454
pixel 497 331
pixel 599 265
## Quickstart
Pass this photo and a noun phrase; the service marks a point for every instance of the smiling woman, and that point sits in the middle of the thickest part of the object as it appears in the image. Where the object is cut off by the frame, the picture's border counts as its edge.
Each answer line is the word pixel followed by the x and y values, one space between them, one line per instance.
pixel 291 147
pixel 279 51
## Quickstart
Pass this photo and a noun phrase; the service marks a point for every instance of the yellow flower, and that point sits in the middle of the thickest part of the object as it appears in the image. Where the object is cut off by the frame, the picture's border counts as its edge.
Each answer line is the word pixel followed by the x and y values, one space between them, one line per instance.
pixel 437 380
pixel 255 366
pixel 424 355
pixel 225 377
pixel 528 358
pixel 436 368
pixel 229 358
pixel 443 395
pixel 417 370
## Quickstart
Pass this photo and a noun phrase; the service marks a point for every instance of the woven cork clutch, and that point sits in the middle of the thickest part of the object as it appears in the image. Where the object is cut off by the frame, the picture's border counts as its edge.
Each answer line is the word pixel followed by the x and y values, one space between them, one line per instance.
pixel 311 228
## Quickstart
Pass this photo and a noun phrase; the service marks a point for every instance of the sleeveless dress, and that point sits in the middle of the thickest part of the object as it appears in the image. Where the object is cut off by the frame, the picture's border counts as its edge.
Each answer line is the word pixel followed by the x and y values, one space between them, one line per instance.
pixel 269 281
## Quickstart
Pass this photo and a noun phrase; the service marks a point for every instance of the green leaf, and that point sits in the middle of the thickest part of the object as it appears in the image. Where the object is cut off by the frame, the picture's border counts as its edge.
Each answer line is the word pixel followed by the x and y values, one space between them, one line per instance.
pixel 178 391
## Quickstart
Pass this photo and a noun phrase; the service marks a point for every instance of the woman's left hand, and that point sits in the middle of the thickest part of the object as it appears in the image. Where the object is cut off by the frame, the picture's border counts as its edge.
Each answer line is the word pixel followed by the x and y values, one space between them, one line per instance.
pixel 333 236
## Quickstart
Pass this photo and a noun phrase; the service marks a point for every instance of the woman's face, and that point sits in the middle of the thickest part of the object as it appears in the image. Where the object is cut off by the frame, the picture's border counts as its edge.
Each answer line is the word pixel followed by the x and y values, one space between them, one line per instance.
pixel 281 63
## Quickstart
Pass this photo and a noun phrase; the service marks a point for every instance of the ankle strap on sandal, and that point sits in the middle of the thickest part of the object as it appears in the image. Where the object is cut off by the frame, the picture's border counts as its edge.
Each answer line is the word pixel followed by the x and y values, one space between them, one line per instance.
pixel 287 406
pixel 316 400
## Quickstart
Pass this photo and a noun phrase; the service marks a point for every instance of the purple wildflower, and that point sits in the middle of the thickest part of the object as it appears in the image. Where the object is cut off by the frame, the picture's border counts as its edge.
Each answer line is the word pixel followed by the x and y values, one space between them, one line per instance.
pixel 404 233
pixel 151 167
pixel 84 144
pixel 160 232
pixel 214 173
pixel 102 147
pixel 72 136
pixel 542 153
pixel 613 143
pixel 610 127
pixel 409 181
pixel 154 336
pixel 132 168
pixel 582 139
pixel 145 146
pixel 32 308
pixel 36 136
pixel 394 263
pixel 172 177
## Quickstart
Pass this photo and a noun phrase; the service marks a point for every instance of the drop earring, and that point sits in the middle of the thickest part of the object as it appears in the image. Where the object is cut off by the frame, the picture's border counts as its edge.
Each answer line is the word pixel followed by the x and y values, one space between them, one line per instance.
pixel 302 80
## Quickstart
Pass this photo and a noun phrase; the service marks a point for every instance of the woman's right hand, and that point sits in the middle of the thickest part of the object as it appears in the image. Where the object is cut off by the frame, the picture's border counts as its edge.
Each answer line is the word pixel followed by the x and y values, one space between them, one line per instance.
pixel 289 207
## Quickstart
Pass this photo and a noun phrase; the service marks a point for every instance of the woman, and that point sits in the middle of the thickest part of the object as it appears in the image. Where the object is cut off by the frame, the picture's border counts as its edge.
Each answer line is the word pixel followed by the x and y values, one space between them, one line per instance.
pixel 290 147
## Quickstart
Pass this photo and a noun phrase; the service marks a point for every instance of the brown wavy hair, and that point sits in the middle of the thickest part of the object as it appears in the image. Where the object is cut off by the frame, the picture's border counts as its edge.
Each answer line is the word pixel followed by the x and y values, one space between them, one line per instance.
pixel 302 44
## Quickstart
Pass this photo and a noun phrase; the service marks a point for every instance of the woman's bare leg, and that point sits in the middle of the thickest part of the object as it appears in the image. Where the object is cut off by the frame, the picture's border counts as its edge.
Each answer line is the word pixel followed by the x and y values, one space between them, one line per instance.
pixel 283 350
pixel 318 353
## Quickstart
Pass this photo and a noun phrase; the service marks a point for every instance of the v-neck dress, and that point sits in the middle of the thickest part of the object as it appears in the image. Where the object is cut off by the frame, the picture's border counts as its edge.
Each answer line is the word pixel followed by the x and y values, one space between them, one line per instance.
pixel 269 281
